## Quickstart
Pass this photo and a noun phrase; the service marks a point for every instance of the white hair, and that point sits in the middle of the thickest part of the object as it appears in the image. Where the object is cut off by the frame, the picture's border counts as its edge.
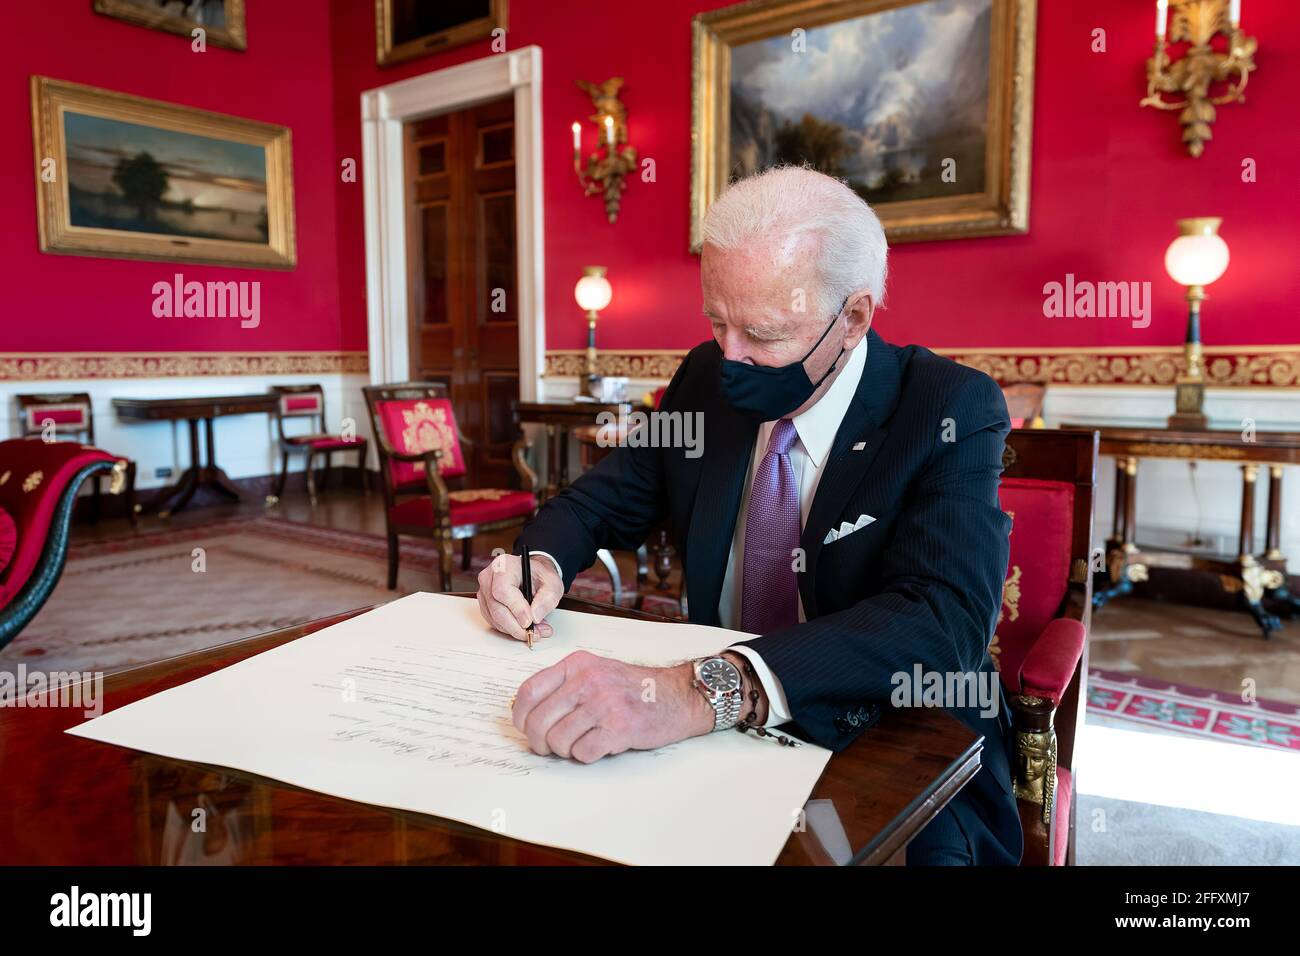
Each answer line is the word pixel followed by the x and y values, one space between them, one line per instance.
pixel 795 201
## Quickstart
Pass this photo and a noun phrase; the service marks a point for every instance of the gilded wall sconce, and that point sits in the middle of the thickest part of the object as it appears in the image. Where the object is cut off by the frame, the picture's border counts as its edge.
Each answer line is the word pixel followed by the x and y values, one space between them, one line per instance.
pixel 614 160
pixel 1190 78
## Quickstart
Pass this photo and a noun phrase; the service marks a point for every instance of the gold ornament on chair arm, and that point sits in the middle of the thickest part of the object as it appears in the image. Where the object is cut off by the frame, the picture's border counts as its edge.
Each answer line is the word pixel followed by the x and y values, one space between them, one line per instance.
pixel 1035 771
pixel 1190 78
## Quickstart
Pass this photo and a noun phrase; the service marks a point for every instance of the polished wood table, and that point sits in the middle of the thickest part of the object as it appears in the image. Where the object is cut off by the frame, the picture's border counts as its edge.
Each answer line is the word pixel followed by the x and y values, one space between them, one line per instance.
pixel 72 801
pixel 193 411
pixel 1255 576
pixel 560 418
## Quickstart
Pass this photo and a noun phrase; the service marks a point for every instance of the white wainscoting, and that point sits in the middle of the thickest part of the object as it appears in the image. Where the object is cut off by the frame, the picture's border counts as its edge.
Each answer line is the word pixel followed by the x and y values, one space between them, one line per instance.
pixel 246 444
pixel 1172 500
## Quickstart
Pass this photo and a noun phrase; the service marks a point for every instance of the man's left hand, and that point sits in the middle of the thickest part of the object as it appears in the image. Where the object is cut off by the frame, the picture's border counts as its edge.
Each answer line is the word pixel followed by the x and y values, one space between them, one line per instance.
pixel 587 707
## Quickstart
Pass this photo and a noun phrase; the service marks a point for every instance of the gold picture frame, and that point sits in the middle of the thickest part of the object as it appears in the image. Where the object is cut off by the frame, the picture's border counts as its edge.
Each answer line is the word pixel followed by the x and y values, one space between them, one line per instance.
pixel 234 35
pixel 239 233
pixel 390 48
pixel 1001 207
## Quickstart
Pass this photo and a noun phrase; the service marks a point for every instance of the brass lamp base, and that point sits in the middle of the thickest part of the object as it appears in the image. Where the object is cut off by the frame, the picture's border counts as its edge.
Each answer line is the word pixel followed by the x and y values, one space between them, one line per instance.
pixel 1189 400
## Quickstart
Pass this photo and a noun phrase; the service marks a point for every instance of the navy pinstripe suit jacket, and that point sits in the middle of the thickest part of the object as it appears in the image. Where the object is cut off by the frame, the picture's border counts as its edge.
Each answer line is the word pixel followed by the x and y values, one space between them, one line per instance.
pixel 922 584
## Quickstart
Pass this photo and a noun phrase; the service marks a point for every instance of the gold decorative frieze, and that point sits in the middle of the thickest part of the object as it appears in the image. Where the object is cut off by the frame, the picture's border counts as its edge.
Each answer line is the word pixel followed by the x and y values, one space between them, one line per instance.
pixel 81 365
pixel 1183 450
pixel 1224 366
pixel 1243 366
pixel 644 364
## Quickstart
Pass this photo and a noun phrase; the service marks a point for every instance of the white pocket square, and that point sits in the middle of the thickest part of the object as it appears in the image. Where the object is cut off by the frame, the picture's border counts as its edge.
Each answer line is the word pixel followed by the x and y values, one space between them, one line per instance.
pixel 846 528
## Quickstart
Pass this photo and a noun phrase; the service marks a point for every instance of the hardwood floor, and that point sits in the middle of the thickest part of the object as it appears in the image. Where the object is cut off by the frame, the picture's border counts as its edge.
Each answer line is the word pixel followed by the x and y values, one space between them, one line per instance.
pixel 1217 650
pixel 1213 649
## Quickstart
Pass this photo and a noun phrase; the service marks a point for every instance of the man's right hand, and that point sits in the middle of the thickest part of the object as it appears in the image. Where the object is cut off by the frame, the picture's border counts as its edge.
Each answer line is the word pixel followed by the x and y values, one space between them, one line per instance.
pixel 501 598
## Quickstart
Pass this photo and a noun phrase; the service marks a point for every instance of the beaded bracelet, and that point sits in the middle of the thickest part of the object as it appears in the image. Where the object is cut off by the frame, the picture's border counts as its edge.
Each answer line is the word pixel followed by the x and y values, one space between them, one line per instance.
pixel 747 723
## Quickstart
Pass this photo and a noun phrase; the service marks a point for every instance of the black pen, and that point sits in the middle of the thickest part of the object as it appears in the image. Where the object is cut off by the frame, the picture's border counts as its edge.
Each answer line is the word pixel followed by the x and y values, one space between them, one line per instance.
pixel 528 592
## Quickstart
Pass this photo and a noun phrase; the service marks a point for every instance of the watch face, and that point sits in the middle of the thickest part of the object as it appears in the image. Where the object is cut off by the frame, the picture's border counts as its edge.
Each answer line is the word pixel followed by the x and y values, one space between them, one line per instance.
pixel 720 676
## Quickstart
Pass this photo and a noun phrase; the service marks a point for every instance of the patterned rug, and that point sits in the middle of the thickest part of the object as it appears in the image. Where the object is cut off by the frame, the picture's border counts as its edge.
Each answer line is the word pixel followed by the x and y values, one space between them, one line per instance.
pixel 147 597
pixel 1194 710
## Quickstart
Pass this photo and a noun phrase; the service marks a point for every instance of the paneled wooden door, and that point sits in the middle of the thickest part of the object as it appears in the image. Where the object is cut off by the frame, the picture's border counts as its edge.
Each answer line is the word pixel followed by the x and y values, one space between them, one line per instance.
pixel 464 323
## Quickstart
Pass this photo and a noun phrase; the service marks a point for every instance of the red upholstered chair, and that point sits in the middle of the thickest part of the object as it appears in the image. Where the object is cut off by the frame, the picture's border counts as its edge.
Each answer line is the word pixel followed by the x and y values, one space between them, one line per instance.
pixel 1040 643
pixel 70 417
pixel 39 481
pixel 308 402
pixel 421 449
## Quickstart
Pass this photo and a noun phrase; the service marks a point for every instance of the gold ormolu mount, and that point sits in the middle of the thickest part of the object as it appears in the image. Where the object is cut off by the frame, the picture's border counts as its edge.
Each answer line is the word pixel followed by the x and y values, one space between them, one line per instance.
pixel 607 168
pixel 1198 22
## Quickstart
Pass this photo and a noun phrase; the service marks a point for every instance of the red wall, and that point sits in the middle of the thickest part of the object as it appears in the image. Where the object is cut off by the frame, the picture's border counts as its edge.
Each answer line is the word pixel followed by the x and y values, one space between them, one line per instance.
pixel 82 304
pixel 1109 179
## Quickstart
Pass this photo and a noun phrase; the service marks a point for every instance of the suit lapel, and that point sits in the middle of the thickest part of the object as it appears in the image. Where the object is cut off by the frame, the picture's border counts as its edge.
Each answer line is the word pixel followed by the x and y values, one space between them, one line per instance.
pixel 863 424
pixel 731 438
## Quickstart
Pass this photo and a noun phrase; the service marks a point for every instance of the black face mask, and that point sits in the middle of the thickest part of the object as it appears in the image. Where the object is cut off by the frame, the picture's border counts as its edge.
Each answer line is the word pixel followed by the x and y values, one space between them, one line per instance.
pixel 766 393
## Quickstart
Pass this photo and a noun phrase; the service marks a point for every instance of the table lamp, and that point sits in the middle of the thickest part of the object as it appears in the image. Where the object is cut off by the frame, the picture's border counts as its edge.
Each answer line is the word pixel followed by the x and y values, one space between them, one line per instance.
pixel 1195 259
pixel 593 293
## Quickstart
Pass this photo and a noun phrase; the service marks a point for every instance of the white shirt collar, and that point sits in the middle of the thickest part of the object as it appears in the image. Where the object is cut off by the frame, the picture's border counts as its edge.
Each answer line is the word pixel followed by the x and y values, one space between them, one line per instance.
pixel 818 425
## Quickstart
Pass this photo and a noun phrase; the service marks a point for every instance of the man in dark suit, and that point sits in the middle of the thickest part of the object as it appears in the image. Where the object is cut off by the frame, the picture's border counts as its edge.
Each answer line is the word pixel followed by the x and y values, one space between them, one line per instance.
pixel 844 508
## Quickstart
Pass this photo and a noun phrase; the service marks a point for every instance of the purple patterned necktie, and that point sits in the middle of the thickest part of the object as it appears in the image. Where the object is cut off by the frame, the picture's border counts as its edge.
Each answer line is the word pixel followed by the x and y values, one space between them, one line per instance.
pixel 769 586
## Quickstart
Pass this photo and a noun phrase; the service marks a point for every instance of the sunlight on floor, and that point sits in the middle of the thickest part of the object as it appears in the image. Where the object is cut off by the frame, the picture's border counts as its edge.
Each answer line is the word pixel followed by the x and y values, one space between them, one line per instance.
pixel 1193 774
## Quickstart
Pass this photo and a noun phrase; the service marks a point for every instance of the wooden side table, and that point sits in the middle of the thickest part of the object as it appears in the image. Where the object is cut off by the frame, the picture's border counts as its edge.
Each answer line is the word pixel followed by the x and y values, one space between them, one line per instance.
pixel 1255 576
pixel 193 411
pixel 591 449
pixel 560 418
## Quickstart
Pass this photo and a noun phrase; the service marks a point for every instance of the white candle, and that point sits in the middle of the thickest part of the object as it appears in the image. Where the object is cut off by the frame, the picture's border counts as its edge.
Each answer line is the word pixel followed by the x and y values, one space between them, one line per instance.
pixel 577 137
pixel 1234 13
pixel 1162 16
pixel 609 130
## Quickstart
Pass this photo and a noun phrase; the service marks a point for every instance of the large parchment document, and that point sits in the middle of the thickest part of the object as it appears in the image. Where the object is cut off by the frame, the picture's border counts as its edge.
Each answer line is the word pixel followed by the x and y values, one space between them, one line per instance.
pixel 407 706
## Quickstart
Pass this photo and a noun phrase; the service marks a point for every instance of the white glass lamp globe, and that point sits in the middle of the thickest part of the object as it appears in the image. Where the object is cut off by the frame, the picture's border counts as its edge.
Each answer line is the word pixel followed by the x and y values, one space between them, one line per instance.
pixel 1199 255
pixel 593 290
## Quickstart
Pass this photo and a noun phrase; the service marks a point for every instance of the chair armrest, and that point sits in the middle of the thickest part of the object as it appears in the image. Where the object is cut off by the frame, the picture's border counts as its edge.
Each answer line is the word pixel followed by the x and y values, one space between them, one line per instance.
pixel 527 477
pixel 1045 674
pixel 437 487
pixel 1049 666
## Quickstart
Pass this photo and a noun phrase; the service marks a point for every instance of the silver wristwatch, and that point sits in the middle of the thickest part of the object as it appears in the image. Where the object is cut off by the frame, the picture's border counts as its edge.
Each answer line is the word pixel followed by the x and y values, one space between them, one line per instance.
pixel 719 681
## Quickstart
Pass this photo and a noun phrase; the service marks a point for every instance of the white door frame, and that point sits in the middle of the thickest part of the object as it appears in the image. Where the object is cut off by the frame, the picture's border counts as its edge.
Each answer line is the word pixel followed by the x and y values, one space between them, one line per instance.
pixel 383 111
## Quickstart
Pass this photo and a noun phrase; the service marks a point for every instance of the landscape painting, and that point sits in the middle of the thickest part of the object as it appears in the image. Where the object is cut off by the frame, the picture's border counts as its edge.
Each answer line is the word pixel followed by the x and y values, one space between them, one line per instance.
pixel 914 105
pixel 411 28
pixel 222 21
pixel 144 179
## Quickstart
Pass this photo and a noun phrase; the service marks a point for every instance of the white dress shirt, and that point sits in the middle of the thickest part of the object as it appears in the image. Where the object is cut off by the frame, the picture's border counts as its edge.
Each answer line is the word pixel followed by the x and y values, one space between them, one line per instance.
pixel 816 428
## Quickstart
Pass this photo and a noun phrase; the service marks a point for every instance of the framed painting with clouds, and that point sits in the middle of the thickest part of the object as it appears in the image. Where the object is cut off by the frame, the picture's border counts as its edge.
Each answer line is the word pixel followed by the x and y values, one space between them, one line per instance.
pixel 924 107
pixel 127 177
pixel 221 20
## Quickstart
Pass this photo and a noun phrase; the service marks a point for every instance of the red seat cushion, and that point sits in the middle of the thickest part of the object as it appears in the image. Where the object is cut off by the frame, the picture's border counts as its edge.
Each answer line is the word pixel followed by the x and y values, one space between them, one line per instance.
pixel 1038 572
pixel 325 442
pixel 1061 814
pixel 33 476
pixel 476 506
pixel 414 426
pixel 8 538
